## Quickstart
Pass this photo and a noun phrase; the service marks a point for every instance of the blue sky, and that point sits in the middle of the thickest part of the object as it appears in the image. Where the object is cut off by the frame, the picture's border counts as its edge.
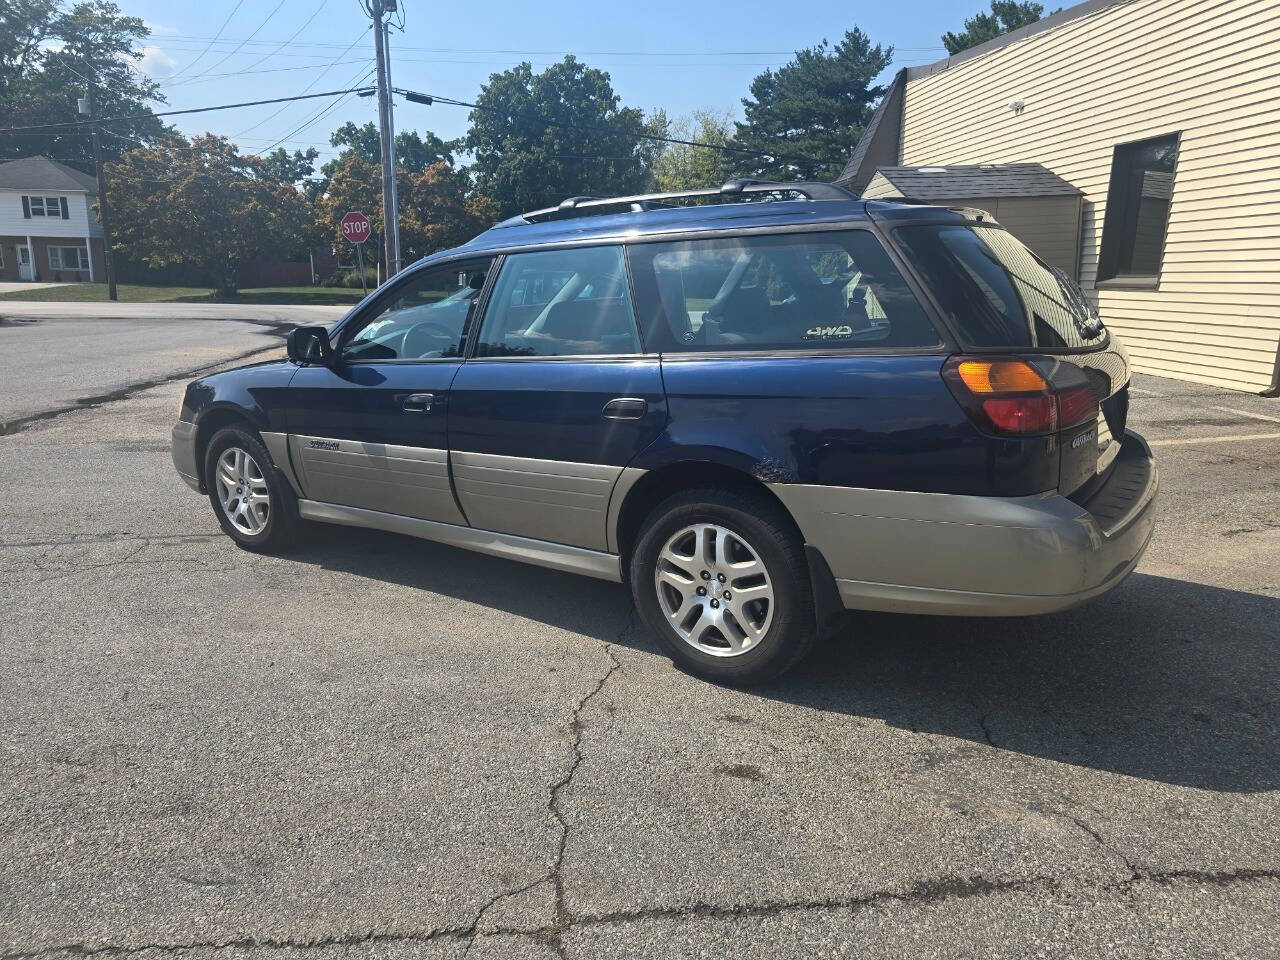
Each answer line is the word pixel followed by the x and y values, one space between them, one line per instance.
pixel 660 53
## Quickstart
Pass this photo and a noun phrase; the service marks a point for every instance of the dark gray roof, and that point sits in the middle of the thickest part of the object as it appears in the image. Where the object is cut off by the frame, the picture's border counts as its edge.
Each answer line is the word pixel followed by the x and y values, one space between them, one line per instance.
pixel 41 173
pixel 954 182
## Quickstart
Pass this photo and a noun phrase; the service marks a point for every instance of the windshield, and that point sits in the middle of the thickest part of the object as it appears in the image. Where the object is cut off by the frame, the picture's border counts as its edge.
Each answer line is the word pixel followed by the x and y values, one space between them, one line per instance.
pixel 1000 294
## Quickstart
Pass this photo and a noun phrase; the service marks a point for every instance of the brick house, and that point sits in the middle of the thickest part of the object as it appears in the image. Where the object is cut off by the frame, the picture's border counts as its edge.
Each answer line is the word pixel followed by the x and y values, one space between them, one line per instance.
pixel 48 228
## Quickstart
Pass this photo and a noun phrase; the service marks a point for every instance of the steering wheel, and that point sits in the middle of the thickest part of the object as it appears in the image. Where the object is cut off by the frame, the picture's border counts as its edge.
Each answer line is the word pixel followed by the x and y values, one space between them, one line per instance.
pixel 427 337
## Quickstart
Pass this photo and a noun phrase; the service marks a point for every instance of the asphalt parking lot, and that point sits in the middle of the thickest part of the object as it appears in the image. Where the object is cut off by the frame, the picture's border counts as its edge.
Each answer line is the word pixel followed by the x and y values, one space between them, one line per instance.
pixel 380 747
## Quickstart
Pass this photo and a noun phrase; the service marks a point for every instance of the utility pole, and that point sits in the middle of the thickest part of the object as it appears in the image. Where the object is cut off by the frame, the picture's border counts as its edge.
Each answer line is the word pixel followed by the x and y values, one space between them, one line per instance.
pixel 103 210
pixel 390 215
pixel 391 136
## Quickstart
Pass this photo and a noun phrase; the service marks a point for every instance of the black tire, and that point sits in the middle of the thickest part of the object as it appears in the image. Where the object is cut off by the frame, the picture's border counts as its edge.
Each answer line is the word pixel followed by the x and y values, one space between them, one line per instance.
pixel 769 531
pixel 281 529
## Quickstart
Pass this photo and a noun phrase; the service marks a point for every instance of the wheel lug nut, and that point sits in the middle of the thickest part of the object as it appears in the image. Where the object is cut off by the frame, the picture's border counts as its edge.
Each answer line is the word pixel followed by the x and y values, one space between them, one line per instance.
pixel 706 575
pixel 715 603
pixel 728 595
pixel 720 577
pixel 701 591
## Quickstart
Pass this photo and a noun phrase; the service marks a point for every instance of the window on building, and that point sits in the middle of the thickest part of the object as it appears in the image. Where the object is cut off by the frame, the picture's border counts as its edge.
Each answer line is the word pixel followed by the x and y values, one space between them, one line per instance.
pixel 44 207
pixel 1138 205
pixel 68 258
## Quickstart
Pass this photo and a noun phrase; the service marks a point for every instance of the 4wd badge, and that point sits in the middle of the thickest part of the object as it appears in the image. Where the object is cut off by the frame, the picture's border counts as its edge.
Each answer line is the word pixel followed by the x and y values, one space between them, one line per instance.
pixel 841 332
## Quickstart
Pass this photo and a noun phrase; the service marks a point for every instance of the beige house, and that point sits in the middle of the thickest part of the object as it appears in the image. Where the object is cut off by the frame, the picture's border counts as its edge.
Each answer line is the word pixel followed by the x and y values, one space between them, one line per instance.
pixel 1165 116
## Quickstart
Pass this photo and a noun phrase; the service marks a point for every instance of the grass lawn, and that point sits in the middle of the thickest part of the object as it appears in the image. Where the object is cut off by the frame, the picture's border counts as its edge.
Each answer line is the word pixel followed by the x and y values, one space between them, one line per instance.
pixel 139 293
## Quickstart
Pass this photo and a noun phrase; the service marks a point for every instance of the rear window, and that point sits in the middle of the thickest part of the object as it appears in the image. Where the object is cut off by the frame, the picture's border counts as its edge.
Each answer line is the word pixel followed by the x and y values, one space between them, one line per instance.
pixel 779 292
pixel 1000 294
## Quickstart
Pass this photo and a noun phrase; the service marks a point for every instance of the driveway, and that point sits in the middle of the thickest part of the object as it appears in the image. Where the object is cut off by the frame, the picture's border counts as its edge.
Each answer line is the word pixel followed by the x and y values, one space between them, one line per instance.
pixel 381 747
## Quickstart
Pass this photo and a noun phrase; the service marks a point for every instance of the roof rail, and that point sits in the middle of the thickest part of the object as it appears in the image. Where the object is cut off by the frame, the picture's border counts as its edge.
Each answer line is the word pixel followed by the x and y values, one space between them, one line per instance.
pixel 737 190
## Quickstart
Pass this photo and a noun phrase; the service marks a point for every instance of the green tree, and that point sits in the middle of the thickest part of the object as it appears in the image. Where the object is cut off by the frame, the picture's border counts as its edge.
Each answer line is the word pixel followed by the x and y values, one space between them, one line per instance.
pixel 682 167
pixel 288 167
pixel 48 57
pixel 414 151
pixel 1005 15
pixel 204 205
pixel 804 117
pixel 438 209
pixel 538 138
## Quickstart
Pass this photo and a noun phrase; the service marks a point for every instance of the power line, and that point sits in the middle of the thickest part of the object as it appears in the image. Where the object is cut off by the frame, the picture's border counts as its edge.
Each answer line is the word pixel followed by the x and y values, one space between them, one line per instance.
pixel 240 73
pixel 316 79
pixel 429 98
pixel 582 53
pixel 274 11
pixel 239 3
pixel 306 23
pixel 174 113
pixel 315 118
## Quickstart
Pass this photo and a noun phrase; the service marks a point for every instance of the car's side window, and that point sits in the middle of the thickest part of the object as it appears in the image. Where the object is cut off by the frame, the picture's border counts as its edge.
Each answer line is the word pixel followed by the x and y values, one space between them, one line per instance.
pixel 424 319
pixel 560 303
pixel 780 292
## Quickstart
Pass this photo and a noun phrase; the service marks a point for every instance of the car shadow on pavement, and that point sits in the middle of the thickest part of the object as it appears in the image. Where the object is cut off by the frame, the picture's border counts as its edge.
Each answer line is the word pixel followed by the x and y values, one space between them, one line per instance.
pixel 1163 679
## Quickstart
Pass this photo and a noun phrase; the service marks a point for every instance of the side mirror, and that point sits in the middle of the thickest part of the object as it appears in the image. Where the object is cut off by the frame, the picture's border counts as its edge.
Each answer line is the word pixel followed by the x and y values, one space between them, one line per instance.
pixel 309 345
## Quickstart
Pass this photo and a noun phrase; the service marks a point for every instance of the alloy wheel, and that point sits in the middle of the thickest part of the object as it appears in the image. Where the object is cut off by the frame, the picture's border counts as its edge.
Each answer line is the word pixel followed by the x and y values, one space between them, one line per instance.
pixel 243 491
pixel 714 590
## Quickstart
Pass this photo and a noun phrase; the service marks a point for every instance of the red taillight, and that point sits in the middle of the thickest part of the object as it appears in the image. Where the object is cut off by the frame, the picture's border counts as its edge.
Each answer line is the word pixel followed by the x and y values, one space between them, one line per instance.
pixel 1076 405
pixel 1022 414
pixel 1020 397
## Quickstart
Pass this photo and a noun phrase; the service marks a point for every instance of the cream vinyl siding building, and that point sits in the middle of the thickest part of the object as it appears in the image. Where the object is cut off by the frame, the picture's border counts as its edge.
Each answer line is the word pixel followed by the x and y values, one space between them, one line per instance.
pixel 1080 93
pixel 1040 209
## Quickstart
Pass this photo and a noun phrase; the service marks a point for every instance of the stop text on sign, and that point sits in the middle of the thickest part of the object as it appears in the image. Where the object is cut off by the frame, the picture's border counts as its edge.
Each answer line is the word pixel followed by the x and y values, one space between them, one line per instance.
pixel 356 228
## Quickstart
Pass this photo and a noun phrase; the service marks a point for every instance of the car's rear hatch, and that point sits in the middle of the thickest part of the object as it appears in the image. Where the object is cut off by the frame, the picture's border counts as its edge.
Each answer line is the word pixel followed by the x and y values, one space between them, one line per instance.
pixel 1006 308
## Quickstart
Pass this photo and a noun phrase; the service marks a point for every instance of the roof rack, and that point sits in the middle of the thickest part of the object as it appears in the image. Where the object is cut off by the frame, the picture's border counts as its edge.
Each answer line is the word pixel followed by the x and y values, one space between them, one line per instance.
pixel 735 189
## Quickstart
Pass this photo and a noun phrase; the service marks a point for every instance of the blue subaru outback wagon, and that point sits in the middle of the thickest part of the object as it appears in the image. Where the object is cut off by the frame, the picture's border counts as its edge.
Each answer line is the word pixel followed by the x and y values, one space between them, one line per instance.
pixel 758 405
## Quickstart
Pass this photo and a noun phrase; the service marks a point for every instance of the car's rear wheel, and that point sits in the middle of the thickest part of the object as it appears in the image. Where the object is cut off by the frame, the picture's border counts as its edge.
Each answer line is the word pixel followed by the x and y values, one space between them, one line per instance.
pixel 720 578
pixel 252 501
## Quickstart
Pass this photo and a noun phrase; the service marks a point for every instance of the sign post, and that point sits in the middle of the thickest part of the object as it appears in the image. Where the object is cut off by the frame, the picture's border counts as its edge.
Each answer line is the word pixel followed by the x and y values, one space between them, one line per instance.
pixel 356 228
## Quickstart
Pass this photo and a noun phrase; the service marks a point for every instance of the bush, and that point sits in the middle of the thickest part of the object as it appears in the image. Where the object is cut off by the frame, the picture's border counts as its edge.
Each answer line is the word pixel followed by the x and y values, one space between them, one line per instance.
pixel 351 278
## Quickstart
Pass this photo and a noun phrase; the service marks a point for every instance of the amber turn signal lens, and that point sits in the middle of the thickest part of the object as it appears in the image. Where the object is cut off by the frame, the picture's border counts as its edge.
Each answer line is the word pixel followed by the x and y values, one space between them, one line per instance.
pixel 1000 376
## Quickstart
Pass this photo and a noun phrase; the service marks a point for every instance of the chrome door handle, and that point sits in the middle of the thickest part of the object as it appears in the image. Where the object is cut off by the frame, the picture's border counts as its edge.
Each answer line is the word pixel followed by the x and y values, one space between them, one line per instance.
pixel 624 408
pixel 418 403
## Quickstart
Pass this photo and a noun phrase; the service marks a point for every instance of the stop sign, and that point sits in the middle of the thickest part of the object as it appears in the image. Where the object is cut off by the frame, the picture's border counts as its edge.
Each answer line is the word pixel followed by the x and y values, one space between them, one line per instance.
pixel 355 227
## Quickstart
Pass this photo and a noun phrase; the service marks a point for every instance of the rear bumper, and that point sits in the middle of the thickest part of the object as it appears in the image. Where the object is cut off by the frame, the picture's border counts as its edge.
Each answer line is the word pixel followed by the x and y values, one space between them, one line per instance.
pixel 184 454
pixel 980 556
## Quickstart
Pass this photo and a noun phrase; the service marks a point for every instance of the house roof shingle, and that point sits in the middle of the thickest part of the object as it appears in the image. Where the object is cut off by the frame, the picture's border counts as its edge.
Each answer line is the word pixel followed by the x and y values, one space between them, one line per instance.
pixel 41 173
pixel 955 182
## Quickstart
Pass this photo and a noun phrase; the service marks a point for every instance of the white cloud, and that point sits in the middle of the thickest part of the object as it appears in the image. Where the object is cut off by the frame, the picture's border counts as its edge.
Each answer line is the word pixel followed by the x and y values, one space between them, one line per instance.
pixel 156 64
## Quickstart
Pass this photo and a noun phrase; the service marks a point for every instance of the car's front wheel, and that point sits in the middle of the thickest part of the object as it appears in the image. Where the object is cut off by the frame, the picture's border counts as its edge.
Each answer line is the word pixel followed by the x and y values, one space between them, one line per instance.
pixel 252 502
pixel 720 578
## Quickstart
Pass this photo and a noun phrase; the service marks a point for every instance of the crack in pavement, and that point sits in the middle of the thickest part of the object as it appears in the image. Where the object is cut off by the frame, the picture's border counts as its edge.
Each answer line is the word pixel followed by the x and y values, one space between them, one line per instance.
pixel 923 893
pixel 87 539
pixel 243 943
pixel 56 567
pixel 555 934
